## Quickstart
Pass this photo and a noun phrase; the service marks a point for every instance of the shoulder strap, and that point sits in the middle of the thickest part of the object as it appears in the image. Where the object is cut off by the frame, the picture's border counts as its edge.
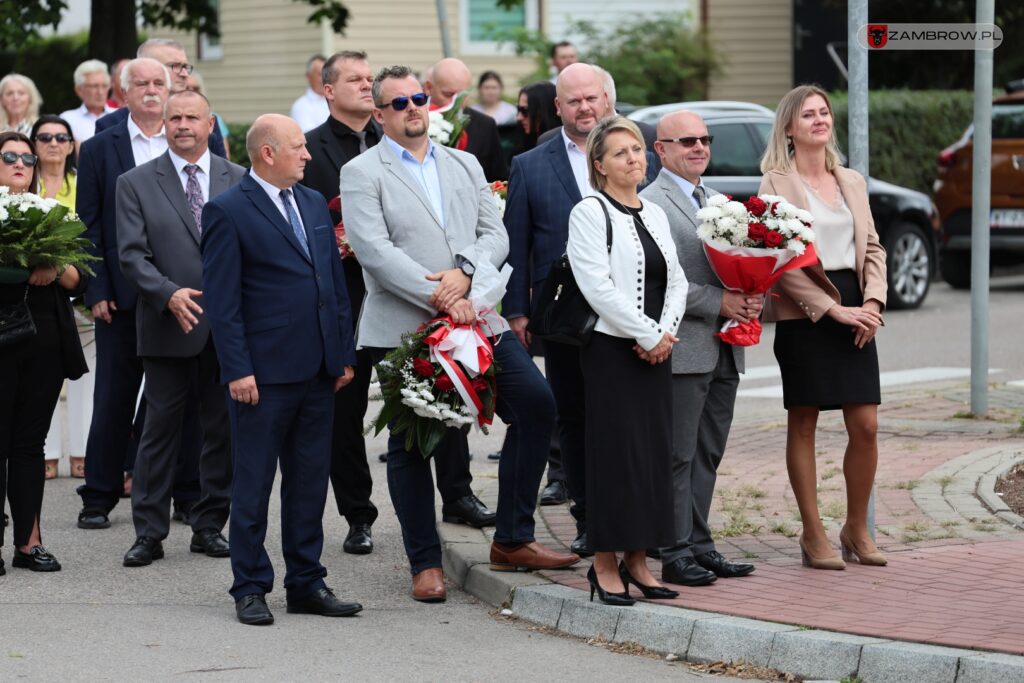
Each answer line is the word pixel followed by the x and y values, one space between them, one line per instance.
pixel 607 221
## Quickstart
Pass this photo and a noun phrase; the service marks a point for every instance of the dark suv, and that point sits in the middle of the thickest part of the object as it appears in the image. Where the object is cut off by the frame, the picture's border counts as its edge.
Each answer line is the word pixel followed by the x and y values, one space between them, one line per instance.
pixel 904 218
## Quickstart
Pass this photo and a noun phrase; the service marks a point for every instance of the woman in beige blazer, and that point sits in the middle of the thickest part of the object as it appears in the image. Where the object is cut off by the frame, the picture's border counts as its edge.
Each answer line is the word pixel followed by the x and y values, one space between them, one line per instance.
pixel 827 316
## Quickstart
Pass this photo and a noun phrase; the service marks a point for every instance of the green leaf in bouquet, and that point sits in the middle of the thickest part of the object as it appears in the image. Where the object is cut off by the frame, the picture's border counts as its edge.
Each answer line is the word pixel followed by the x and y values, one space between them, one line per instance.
pixel 435 434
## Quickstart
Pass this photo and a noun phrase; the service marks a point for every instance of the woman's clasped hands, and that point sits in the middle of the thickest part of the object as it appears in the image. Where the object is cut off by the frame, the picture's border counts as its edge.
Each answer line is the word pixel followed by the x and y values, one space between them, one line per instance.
pixel 864 320
pixel 659 353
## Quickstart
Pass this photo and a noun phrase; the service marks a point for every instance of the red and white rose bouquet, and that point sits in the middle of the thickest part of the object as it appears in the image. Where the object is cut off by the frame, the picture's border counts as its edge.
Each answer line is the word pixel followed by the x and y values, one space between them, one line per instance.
pixel 750 245
pixel 344 248
pixel 499 190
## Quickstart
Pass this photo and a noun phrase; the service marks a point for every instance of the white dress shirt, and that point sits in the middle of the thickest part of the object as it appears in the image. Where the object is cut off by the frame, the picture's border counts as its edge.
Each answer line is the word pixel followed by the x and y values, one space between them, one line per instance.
pixel 274 192
pixel 144 148
pixel 83 121
pixel 310 110
pixel 578 161
pixel 203 176
pixel 687 187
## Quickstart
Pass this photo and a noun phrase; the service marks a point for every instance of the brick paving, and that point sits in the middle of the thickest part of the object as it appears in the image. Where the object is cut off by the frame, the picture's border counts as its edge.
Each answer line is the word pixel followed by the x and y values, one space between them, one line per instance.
pixel 951 580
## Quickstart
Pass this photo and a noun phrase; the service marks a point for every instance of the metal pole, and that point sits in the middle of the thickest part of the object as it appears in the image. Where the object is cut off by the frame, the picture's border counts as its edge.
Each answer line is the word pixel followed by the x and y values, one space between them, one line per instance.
pixel 980 220
pixel 442 20
pixel 857 124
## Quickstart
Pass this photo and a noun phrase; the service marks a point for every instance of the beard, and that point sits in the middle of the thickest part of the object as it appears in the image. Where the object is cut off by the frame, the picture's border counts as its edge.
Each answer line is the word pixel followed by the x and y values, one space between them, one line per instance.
pixel 415 128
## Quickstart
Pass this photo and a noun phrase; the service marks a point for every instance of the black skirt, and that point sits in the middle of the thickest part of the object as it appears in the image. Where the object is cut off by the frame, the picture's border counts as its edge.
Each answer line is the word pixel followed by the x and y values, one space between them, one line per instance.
pixel 821 366
pixel 628 447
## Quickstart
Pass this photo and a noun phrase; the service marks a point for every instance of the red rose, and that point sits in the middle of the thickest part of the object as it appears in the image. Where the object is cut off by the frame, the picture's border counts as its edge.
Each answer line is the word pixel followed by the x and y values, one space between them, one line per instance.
pixel 755 205
pixel 423 367
pixel 335 204
pixel 756 231
pixel 480 384
pixel 773 239
pixel 775 208
pixel 444 383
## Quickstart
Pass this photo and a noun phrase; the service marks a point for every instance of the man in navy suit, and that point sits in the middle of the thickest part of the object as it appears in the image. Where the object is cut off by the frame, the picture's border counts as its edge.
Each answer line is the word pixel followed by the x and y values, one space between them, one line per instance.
pixel 282 326
pixel 172 55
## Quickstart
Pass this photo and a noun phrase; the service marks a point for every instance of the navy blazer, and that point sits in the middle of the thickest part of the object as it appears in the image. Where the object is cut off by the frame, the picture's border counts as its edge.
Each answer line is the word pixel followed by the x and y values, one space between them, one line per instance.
pixel 274 312
pixel 102 159
pixel 120 115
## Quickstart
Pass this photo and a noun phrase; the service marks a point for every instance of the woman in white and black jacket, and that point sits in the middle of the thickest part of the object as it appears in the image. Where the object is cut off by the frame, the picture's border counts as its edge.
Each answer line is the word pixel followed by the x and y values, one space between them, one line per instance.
pixel 638 291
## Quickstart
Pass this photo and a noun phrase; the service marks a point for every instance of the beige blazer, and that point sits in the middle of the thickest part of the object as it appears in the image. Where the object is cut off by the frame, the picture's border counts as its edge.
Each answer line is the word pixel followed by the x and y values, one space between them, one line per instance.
pixel 807 292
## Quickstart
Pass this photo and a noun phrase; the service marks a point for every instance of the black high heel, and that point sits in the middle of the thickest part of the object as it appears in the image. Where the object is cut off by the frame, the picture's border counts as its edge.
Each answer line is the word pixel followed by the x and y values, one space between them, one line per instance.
pixel 649 592
pixel 614 599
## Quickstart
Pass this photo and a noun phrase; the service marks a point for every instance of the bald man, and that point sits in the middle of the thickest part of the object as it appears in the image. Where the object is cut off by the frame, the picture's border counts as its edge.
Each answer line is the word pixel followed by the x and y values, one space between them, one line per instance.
pixel 282 326
pixel 443 82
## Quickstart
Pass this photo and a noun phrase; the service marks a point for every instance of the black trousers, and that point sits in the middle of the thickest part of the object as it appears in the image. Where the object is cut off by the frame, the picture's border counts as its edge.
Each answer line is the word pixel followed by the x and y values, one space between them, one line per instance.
pixel 562 367
pixel 31 375
pixel 350 473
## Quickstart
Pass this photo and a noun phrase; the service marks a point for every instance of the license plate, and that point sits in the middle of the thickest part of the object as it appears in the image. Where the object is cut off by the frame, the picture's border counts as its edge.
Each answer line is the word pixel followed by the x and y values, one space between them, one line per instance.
pixel 1007 218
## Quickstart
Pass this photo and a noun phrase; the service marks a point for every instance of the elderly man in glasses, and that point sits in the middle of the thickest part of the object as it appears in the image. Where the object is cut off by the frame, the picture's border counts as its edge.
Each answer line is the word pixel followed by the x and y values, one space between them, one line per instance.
pixel 427 232
pixel 705 372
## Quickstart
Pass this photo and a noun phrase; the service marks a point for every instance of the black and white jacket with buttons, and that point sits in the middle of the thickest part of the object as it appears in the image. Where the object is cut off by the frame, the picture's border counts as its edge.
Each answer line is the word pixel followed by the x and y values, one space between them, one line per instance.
pixel 613 284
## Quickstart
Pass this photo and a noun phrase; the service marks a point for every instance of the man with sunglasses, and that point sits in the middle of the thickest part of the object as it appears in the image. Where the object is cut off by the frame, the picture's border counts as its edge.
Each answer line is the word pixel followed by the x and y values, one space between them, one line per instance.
pixel 424 224
pixel 705 371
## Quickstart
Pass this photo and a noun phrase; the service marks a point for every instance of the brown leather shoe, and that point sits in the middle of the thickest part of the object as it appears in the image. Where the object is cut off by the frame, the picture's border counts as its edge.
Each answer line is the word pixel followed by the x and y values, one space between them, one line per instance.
pixel 529 556
pixel 428 586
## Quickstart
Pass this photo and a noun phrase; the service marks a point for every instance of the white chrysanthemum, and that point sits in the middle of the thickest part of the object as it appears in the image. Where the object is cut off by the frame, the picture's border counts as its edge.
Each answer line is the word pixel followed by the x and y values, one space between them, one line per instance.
pixel 413 402
pixel 409 393
pixel 427 396
pixel 736 209
pixel 717 200
pixel 500 201
pixel 806 234
pixel 706 231
pixel 709 213
pixel 802 215
pixel 796 246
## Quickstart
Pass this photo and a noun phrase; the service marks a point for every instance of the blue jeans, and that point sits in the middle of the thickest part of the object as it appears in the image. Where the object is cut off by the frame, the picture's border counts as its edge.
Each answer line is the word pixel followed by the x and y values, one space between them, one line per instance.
pixel 526 404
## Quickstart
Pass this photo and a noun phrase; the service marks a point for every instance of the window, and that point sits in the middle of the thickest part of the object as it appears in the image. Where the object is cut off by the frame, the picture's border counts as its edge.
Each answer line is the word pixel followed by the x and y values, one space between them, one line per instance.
pixel 733 152
pixel 210 48
pixel 479 19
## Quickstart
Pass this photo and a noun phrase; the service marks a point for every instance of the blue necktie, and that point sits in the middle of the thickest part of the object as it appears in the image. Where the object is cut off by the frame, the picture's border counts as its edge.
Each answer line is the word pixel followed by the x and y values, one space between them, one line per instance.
pixel 293 218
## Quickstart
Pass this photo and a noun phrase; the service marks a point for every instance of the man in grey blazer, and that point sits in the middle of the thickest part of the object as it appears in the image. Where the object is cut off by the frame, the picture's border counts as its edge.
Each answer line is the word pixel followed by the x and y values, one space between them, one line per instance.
pixel 158 228
pixel 705 371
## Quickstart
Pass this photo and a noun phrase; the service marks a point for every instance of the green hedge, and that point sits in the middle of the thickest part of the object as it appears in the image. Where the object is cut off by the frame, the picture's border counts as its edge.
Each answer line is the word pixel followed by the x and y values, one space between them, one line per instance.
pixel 907 130
pixel 50 63
pixel 236 143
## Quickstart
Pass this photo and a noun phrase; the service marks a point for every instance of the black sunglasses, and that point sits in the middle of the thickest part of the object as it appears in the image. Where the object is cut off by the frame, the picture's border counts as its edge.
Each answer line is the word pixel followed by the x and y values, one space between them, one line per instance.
pixel 11 158
pixel 400 103
pixel 688 142
pixel 525 111
pixel 50 137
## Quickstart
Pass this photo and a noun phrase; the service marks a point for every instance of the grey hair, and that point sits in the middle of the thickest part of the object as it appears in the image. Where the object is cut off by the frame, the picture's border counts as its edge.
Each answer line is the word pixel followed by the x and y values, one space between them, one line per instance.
pixel 35 100
pixel 90 66
pixel 609 85
pixel 313 60
pixel 596 144
pixel 330 72
pixel 126 72
pixel 387 72
pixel 158 42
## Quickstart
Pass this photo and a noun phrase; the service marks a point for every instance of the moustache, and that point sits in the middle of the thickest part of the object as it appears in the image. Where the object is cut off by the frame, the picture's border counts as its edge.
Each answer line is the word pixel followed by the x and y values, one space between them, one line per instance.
pixel 148 99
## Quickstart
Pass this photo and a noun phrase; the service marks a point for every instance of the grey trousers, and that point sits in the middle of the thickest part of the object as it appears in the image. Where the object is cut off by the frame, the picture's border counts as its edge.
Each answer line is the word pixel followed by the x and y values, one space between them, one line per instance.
pixel 702 409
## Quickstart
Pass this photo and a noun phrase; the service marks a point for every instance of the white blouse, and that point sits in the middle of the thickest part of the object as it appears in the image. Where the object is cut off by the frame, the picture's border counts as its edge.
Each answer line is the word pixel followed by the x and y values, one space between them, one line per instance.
pixel 833 226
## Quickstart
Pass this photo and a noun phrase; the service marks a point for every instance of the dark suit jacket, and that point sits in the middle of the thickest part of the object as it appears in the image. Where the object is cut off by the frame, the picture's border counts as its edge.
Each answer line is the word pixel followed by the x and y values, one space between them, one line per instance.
pixel 158 245
pixel 485 144
pixel 274 312
pixel 120 115
pixel 649 133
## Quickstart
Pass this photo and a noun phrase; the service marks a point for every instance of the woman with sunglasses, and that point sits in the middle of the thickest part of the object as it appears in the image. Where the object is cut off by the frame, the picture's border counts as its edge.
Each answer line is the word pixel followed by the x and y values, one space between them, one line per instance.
pixel 32 371
pixel 19 103
pixel 536 114
pixel 58 162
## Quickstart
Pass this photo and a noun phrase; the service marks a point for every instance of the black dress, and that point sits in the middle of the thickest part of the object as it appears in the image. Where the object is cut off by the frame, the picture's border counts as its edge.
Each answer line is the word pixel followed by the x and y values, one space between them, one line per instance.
pixel 629 428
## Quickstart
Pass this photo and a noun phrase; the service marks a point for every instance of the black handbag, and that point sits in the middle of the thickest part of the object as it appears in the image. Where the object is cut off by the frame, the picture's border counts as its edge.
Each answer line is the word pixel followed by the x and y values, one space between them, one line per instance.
pixel 561 313
pixel 16 322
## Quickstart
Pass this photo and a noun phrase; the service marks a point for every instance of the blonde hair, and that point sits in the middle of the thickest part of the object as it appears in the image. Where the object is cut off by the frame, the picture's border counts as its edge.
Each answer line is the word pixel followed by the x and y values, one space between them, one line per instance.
pixel 596 145
pixel 35 100
pixel 779 153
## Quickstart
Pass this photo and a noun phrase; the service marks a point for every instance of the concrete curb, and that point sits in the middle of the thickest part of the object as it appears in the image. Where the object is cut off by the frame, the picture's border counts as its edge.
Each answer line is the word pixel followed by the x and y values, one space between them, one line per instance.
pixel 707 636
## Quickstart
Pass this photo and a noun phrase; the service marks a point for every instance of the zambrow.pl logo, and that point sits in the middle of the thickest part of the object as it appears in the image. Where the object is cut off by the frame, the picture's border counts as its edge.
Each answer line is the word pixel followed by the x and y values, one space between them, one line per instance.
pixel 930 36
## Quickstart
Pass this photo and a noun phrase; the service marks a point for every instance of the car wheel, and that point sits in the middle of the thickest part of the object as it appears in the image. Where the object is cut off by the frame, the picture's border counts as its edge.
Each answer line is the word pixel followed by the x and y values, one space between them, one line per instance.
pixel 908 266
pixel 956 269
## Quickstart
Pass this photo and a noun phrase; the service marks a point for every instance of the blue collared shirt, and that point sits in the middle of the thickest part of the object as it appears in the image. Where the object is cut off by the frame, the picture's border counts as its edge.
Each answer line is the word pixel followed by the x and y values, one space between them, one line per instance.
pixel 687 187
pixel 425 173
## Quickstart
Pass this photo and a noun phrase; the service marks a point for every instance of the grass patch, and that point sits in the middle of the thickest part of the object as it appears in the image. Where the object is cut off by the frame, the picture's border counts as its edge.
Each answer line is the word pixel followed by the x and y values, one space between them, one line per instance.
pixel 907 485
pixel 834 509
pixel 963 415
pixel 985 526
pixel 751 491
pixel 738 525
pixel 747 555
pixel 949 524
pixel 831 472
pixel 783 529
pixel 944 481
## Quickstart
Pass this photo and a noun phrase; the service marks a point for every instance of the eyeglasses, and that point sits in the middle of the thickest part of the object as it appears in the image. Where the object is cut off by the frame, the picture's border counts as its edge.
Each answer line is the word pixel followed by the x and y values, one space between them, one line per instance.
pixel 688 142
pixel 400 103
pixel 524 111
pixel 180 66
pixel 50 137
pixel 11 158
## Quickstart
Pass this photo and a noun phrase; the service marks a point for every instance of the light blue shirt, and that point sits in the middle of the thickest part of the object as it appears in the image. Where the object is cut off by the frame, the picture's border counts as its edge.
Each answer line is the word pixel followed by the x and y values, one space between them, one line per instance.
pixel 425 173
pixel 687 187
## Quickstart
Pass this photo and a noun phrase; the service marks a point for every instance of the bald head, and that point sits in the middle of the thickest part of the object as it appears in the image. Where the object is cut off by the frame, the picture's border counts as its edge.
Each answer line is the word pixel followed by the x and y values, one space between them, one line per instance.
pixel 446 80
pixel 578 75
pixel 689 158
pixel 277 150
pixel 581 100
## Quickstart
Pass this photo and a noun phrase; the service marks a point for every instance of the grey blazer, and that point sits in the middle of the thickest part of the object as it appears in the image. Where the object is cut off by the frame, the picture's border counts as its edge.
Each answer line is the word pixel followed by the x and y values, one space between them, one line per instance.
pixel 399 240
pixel 158 247
pixel 698 347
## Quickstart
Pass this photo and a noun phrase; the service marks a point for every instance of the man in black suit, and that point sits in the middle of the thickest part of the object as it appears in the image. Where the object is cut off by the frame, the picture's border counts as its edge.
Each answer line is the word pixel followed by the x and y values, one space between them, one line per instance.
pixel 347 132
pixel 159 207
pixel 445 81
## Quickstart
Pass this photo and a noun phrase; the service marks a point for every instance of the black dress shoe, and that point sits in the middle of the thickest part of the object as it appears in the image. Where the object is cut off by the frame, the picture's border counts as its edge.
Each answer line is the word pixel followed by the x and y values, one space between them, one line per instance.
pixel 359 540
pixel 496 455
pixel 554 493
pixel 93 518
pixel 324 603
pixel 211 543
pixel 37 559
pixel 653 553
pixel 714 562
pixel 183 511
pixel 143 552
pixel 579 546
pixel 253 611
pixel 686 572
pixel 468 510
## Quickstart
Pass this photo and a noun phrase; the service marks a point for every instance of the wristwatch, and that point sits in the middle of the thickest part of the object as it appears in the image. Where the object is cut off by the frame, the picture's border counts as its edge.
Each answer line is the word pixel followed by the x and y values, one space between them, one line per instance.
pixel 466 267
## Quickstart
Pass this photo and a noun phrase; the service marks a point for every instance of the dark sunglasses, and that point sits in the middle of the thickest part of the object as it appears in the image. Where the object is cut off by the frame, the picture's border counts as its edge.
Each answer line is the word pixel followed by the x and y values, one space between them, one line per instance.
pixel 11 158
pixel 400 103
pixel 705 140
pixel 50 137
pixel 525 111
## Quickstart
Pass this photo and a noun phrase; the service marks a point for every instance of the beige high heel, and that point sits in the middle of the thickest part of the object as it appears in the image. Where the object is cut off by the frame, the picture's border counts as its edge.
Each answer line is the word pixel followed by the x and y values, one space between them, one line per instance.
pixel 830 562
pixel 852 554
